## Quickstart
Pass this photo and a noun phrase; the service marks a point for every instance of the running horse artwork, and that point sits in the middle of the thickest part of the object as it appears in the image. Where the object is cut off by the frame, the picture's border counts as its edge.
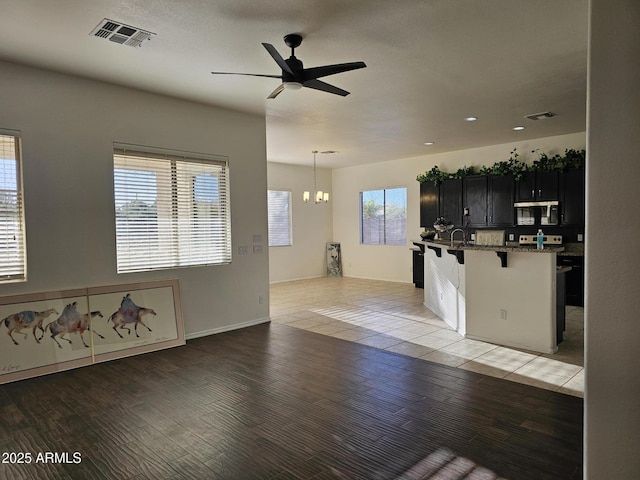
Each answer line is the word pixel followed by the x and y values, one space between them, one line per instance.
pixel 129 313
pixel 26 319
pixel 71 321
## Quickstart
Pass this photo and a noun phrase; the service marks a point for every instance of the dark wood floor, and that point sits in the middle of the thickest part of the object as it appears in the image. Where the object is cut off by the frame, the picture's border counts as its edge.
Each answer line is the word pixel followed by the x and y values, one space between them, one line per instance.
pixel 275 402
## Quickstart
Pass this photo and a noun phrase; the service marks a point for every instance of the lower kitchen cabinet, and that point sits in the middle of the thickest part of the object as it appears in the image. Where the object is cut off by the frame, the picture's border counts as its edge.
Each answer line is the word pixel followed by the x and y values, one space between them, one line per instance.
pixel 574 280
pixel 418 268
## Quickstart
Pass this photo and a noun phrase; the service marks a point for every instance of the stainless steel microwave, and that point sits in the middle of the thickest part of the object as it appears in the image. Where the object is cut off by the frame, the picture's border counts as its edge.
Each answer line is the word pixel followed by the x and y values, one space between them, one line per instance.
pixel 537 213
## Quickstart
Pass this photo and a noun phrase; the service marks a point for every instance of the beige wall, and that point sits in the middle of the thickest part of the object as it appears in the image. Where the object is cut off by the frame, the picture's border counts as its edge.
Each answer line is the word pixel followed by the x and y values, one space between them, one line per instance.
pixel 68 128
pixel 312 225
pixel 612 389
pixel 385 262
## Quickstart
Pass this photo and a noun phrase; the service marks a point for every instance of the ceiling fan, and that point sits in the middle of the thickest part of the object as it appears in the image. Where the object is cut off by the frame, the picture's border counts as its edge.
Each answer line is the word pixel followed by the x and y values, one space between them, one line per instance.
pixel 294 76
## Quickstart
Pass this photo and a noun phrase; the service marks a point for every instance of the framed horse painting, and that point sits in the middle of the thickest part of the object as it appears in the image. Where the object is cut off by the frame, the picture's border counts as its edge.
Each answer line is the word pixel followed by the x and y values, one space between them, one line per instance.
pixel 54 331
pixel 43 333
pixel 138 318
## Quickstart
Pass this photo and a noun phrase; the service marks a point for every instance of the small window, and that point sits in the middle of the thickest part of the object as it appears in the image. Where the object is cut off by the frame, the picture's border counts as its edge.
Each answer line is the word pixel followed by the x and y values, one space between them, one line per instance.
pixel 12 232
pixel 383 217
pixel 171 209
pixel 279 214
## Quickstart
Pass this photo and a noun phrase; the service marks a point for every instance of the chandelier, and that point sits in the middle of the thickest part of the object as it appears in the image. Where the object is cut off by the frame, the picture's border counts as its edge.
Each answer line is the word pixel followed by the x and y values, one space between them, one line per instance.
pixel 319 196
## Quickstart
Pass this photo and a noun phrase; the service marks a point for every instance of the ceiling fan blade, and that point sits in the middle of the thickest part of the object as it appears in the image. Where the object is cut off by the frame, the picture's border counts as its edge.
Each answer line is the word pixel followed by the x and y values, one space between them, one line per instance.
pixel 247 74
pixel 277 91
pixel 277 57
pixel 325 87
pixel 317 72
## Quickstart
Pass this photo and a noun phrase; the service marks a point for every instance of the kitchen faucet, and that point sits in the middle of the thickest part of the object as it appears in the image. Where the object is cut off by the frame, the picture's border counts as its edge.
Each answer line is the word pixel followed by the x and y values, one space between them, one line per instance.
pixel 464 235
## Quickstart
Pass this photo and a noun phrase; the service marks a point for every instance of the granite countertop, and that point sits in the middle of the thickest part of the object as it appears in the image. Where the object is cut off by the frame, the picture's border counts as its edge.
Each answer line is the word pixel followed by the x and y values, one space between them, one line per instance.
pixel 573 249
pixel 510 247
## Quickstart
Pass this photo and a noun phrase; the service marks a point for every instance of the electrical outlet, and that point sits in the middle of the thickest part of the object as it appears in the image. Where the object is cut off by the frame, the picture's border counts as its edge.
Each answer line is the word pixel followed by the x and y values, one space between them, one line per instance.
pixel 512 237
pixel 260 300
pixel 243 249
pixel 257 249
pixel 580 237
pixel 503 314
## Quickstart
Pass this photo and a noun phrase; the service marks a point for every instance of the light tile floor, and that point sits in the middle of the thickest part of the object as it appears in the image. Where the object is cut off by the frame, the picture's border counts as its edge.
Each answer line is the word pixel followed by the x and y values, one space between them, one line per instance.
pixel 391 316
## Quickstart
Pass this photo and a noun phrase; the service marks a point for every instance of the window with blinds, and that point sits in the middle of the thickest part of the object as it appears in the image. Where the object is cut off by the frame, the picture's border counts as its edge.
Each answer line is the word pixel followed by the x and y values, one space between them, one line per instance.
pixel 172 209
pixel 383 217
pixel 279 218
pixel 13 266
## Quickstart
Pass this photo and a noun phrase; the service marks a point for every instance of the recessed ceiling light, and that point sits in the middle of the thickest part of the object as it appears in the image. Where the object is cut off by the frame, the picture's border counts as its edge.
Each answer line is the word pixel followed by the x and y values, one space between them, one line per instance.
pixel 518 128
pixel 428 144
pixel 470 119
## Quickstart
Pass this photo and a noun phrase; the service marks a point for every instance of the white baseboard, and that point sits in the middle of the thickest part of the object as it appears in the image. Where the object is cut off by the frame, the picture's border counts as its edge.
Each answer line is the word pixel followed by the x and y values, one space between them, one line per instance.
pixel 530 348
pixel 296 279
pixel 227 328
pixel 379 279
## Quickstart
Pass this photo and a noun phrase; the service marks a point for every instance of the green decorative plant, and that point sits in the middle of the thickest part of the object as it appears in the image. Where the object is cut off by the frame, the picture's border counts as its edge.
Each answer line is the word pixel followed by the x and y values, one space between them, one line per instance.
pixel 545 162
pixel 512 166
pixel 516 167
pixel 463 172
pixel 574 158
pixel 434 175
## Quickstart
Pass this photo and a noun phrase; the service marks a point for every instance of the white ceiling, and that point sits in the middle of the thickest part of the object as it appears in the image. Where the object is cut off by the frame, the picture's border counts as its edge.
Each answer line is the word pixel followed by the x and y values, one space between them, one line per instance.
pixel 430 64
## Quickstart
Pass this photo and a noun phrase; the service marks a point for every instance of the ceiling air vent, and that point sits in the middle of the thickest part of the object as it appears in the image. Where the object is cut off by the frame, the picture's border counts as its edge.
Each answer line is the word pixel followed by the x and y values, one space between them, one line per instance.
pixel 540 116
pixel 117 32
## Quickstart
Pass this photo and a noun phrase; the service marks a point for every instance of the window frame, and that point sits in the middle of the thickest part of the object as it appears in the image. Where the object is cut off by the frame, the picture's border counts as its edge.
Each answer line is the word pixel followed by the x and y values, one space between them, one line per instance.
pixel 384 207
pixel 178 236
pixel 290 217
pixel 19 271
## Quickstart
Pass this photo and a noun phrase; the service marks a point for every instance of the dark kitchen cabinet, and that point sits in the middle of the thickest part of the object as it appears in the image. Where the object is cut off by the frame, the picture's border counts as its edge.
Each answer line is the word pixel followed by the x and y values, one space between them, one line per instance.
pixel 429 204
pixel 474 199
pixel 500 202
pixel 418 268
pixel 451 200
pixel 574 282
pixel 572 197
pixel 537 186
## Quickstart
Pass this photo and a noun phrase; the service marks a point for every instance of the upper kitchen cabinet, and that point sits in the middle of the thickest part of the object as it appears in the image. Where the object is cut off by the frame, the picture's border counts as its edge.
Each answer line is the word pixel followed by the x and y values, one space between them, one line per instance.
pixel 488 200
pixel 451 200
pixel 572 197
pixel 474 199
pixel 501 199
pixel 429 204
pixel 537 186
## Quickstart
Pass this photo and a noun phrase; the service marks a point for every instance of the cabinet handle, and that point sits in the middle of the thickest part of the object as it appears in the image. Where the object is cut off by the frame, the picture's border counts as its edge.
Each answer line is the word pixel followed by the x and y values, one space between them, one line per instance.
pixel 540 192
pixel 533 193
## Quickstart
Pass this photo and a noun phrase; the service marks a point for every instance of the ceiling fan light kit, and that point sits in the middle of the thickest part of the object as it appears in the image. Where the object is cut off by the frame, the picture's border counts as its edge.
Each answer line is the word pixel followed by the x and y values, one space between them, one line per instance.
pixel 294 76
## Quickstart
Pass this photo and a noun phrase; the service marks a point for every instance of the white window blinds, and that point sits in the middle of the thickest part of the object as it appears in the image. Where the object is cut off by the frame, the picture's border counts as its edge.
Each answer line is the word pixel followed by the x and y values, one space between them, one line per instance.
pixel 279 218
pixel 12 235
pixel 383 216
pixel 172 210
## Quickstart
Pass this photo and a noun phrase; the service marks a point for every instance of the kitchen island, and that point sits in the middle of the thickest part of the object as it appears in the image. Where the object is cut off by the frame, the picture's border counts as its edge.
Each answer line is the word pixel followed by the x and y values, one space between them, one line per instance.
pixel 499 294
